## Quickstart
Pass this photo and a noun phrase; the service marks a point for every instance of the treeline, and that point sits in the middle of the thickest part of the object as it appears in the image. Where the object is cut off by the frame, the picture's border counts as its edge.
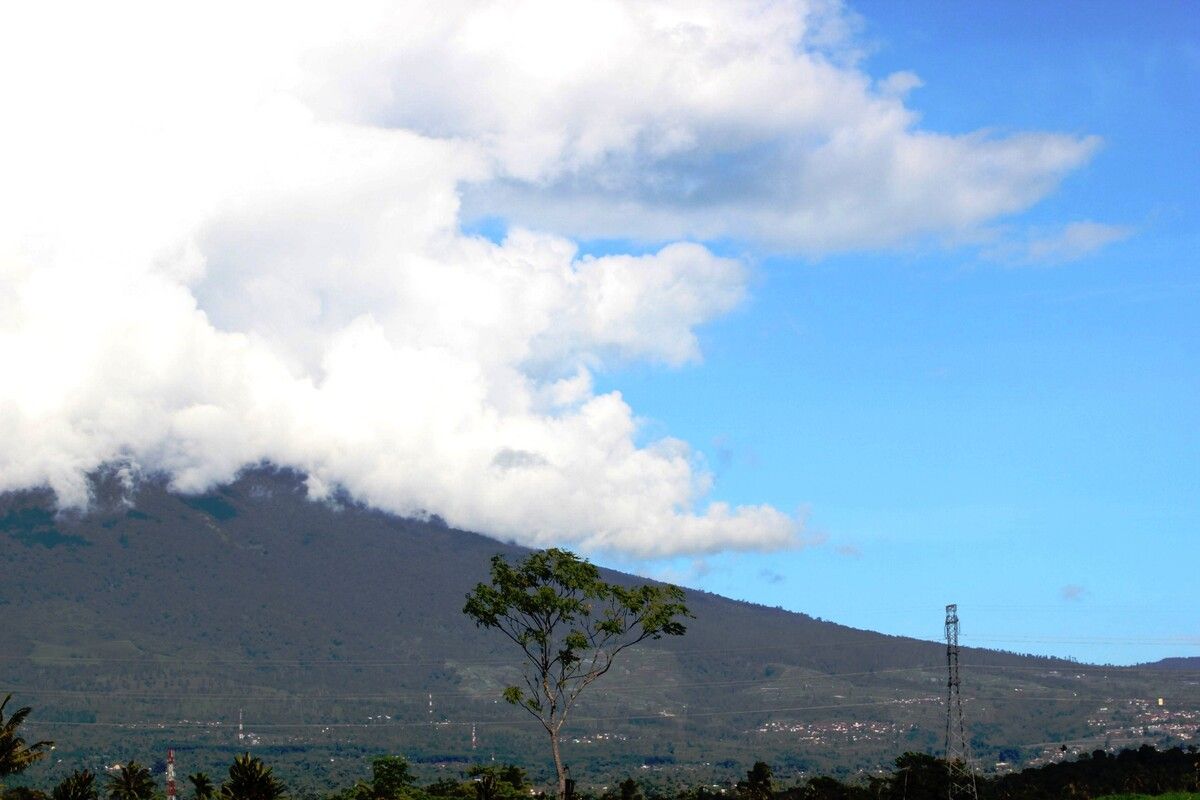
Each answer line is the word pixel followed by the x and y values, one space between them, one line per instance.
pixel 917 776
pixel 250 778
pixel 1141 771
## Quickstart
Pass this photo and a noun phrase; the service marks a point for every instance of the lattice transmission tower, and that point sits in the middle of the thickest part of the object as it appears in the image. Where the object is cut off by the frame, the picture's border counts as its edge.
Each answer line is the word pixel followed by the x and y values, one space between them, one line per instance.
pixel 170 775
pixel 961 783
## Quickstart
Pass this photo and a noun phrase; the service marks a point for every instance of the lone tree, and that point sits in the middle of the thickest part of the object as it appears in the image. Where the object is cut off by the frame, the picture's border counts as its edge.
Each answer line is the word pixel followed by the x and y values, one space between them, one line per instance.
pixel 570 625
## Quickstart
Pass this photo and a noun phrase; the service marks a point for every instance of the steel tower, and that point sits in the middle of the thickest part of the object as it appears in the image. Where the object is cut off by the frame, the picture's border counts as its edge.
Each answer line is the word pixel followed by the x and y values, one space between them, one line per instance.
pixel 961 778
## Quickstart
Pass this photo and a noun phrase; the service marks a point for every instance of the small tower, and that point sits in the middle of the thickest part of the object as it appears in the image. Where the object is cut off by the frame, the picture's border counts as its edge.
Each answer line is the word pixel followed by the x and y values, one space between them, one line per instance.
pixel 170 775
pixel 961 782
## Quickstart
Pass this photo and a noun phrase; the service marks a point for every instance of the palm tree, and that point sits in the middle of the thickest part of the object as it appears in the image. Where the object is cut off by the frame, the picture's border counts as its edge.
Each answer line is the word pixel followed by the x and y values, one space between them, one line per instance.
pixel 15 755
pixel 202 785
pixel 79 785
pixel 131 782
pixel 251 779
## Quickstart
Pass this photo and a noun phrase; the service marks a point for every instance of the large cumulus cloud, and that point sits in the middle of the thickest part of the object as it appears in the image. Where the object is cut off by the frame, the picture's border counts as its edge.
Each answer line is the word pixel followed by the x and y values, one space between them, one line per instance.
pixel 233 234
pixel 747 119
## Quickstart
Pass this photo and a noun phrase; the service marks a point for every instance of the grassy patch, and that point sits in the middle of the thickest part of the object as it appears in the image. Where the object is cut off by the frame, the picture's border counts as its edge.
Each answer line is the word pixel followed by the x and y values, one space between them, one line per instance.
pixel 34 526
pixel 215 507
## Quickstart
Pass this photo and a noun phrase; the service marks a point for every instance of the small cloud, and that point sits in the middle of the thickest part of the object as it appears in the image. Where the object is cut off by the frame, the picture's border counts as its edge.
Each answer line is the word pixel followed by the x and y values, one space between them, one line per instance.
pixel 899 84
pixel 810 536
pixel 1073 242
pixel 848 550
pixel 728 453
pixel 723 450
pixel 681 574
pixel 771 576
pixel 1073 592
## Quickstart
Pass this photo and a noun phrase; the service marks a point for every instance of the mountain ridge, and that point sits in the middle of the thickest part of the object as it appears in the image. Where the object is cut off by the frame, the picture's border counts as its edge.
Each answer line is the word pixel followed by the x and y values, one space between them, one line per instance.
pixel 337 628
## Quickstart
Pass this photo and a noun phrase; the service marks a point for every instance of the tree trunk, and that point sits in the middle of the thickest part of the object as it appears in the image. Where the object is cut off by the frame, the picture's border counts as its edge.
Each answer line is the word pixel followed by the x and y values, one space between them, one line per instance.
pixel 559 767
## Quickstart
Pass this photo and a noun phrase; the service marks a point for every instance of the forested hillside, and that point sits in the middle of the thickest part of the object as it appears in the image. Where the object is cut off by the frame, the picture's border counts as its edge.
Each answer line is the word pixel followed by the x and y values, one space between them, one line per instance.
pixel 155 619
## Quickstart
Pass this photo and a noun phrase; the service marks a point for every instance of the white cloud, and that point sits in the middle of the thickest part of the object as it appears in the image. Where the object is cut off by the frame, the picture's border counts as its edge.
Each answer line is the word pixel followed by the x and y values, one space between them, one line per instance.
pixel 1071 242
pixel 1075 241
pixel 703 119
pixel 232 233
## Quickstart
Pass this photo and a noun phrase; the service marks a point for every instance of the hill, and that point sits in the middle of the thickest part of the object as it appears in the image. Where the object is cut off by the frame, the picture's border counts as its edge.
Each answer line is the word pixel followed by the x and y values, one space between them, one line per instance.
pixel 335 630
pixel 1191 663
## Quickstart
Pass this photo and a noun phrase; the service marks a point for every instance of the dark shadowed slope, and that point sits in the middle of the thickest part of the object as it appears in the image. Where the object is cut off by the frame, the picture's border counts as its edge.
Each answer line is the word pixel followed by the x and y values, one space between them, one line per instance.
pixel 155 617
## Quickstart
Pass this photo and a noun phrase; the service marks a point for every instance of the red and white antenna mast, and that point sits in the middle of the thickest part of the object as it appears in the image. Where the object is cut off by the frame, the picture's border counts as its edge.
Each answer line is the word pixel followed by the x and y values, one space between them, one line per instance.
pixel 170 775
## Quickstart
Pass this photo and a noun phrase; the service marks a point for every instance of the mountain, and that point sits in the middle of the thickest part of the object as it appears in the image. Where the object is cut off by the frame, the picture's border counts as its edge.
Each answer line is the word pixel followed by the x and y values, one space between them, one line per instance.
pixel 1177 663
pixel 335 630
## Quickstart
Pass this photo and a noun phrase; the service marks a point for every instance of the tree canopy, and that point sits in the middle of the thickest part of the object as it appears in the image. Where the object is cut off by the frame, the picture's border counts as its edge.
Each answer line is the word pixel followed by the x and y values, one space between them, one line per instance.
pixel 569 625
pixel 15 754
pixel 131 781
pixel 251 779
pixel 202 786
pixel 79 785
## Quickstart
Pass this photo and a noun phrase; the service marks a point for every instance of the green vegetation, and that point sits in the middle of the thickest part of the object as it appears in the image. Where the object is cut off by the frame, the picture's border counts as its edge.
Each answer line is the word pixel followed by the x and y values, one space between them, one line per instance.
pixel 391 779
pixel 35 526
pixel 202 786
pixel 329 625
pixel 758 784
pixel 504 782
pixel 570 626
pixel 79 785
pixel 251 779
pixel 1090 777
pixel 15 755
pixel 131 781
pixel 1172 774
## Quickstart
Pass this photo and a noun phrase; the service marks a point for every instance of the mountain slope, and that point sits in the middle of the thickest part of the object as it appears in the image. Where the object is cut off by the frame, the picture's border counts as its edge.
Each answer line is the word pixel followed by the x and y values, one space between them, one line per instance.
pixel 154 618
pixel 1178 663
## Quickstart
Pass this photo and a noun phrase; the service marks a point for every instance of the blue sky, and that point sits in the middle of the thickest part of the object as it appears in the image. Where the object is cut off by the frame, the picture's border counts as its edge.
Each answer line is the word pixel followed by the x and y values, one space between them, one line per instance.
pixel 1020 438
